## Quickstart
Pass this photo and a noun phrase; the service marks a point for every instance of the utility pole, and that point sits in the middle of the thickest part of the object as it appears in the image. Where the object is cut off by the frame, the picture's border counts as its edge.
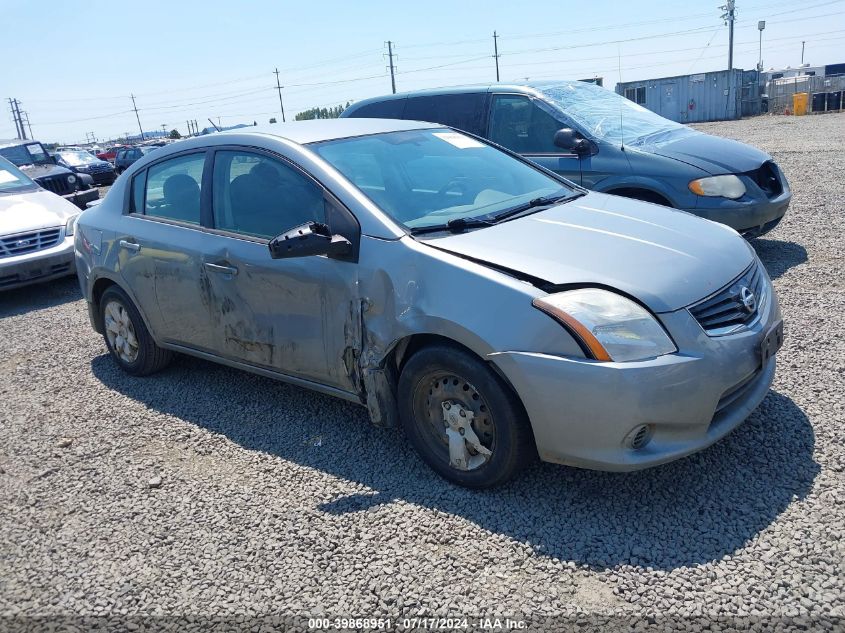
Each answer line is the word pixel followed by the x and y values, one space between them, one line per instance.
pixel 15 106
pixel 20 119
pixel 802 52
pixel 279 88
pixel 164 129
pixel 134 107
pixel 15 117
pixel 28 126
pixel 760 26
pixel 392 68
pixel 728 16
pixel 496 53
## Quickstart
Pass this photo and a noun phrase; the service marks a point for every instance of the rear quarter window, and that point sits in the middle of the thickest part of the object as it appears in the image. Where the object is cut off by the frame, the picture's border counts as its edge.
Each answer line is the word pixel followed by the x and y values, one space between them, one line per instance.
pixel 461 111
pixel 389 109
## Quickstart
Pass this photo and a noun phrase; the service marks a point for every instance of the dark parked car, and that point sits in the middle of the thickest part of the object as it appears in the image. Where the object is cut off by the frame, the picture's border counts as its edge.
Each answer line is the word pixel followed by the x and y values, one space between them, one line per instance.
pixel 81 162
pixel 605 142
pixel 36 163
pixel 128 155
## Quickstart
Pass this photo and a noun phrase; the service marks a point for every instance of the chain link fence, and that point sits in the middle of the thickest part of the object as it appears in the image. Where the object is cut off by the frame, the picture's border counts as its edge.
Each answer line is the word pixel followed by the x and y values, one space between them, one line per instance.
pixel 780 92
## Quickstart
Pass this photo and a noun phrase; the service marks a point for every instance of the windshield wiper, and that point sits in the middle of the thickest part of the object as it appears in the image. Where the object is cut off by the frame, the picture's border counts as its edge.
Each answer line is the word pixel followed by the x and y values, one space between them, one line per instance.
pixel 535 205
pixel 455 225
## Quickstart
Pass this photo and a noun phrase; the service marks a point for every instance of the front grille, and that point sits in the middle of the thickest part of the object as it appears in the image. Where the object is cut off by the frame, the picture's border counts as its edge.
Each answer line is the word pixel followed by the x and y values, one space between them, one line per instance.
pixel 22 243
pixel 57 184
pixel 730 309
pixel 766 177
pixel 103 177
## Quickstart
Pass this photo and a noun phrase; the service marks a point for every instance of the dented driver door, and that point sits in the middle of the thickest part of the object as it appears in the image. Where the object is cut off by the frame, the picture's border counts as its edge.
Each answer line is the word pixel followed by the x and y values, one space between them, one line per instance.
pixel 292 316
pixel 295 316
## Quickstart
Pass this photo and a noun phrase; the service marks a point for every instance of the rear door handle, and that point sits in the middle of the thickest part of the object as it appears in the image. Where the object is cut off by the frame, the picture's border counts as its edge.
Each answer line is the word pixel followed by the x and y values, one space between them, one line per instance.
pixel 220 268
pixel 130 246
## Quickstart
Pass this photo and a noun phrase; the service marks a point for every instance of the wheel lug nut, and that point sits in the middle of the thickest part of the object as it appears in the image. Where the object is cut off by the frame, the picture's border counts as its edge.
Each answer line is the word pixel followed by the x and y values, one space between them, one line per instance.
pixel 447 406
pixel 462 431
pixel 463 413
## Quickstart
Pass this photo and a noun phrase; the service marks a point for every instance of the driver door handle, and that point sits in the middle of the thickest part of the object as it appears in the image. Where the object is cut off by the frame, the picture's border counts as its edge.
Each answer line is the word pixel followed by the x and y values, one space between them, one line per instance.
pixel 130 246
pixel 220 268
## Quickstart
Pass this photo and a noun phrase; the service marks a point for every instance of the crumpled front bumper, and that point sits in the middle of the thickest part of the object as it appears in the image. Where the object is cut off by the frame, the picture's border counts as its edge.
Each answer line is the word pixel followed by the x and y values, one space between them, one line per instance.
pixel 583 411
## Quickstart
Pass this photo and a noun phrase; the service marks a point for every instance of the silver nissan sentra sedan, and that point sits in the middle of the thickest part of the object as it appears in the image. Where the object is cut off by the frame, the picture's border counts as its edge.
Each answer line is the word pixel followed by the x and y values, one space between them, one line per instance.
pixel 491 308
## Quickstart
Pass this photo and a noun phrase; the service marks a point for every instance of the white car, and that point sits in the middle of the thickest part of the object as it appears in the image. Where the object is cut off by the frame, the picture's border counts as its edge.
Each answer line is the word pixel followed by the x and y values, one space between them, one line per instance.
pixel 36 231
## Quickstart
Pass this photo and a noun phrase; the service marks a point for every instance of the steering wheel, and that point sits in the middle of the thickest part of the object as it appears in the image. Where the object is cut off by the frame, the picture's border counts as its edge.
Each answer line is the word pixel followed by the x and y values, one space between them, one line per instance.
pixel 459 183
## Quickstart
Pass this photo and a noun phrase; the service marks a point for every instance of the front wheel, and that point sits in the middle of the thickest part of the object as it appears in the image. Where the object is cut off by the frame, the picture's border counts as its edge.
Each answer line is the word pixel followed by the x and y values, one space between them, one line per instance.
pixel 127 337
pixel 462 419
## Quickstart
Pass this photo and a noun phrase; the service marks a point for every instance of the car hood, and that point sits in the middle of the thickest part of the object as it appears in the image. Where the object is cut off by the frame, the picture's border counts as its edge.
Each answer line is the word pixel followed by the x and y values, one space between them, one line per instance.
pixel 667 259
pixel 713 154
pixel 40 171
pixel 33 210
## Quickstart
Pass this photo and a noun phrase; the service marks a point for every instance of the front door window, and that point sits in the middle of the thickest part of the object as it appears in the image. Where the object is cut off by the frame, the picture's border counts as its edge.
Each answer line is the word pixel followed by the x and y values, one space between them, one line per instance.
pixel 523 126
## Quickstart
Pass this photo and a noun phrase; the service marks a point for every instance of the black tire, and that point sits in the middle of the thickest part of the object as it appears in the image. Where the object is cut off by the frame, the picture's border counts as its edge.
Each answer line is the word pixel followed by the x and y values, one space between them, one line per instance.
pixel 150 358
pixel 510 439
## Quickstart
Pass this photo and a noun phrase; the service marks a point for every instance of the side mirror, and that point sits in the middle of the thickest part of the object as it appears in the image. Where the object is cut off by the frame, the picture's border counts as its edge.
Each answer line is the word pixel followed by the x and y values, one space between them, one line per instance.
pixel 313 238
pixel 567 138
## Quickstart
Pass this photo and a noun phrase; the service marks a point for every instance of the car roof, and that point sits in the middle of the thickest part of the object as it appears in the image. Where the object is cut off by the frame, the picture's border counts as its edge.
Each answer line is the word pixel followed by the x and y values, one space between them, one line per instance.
pixel 314 131
pixel 528 88
pixel 8 142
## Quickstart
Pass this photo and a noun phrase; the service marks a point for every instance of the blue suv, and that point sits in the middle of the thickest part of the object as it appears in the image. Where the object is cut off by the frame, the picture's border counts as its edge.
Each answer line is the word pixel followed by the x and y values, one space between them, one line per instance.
pixel 608 143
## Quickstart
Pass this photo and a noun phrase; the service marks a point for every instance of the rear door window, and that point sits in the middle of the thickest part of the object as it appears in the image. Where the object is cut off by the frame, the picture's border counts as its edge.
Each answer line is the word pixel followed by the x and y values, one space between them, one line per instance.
pixel 522 125
pixel 173 188
pixel 461 111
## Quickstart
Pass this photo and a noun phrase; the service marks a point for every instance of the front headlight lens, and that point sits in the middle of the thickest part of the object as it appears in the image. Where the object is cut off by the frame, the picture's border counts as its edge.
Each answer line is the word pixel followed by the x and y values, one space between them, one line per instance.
pixel 727 186
pixel 70 227
pixel 610 326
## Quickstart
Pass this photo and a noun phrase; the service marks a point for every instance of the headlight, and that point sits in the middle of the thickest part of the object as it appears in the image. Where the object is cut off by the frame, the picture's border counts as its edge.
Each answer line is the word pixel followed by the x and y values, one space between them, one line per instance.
pixel 610 326
pixel 70 227
pixel 728 186
pixel 71 179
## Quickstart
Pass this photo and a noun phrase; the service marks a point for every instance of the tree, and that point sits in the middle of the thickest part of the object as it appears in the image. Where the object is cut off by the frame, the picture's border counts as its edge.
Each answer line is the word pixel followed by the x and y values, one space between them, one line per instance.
pixel 322 113
pixel 174 133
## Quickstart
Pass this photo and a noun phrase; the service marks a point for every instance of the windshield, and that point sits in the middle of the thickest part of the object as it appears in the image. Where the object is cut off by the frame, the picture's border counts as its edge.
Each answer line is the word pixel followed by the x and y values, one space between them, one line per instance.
pixel 605 115
pixel 76 159
pixel 12 178
pixel 31 153
pixel 425 178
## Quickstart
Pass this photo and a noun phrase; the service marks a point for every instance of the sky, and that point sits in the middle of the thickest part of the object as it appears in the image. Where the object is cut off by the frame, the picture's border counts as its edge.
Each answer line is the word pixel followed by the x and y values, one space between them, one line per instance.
pixel 74 65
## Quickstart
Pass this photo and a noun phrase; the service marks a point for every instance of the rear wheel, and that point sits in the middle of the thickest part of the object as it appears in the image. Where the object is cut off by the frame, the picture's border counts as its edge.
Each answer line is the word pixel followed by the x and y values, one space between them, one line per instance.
pixel 127 337
pixel 462 419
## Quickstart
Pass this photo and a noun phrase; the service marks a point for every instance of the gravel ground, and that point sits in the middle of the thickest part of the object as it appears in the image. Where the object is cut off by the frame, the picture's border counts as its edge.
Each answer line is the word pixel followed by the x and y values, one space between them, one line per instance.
pixel 204 491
